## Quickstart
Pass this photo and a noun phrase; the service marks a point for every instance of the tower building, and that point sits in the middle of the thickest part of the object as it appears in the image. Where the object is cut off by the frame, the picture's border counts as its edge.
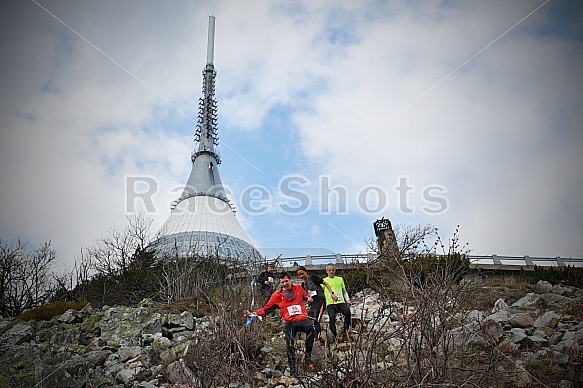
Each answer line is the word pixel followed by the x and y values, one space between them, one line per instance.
pixel 202 220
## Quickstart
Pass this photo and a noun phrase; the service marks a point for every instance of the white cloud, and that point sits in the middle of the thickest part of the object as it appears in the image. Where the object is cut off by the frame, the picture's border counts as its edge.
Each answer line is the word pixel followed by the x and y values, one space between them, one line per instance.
pixel 313 86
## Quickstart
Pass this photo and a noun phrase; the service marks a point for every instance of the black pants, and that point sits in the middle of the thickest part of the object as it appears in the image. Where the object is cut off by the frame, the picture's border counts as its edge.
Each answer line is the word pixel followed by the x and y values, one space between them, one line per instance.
pixel 343 309
pixel 315 312
pixel 293 328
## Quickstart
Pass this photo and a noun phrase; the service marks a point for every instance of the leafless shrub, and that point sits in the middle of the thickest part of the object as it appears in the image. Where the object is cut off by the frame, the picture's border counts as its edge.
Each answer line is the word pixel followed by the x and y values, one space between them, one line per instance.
pixel 419 335
pixel 117 251
pixel 25 276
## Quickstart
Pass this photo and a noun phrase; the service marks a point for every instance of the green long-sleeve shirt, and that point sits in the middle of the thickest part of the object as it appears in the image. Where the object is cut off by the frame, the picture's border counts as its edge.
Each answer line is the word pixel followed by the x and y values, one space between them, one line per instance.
pixel 337 285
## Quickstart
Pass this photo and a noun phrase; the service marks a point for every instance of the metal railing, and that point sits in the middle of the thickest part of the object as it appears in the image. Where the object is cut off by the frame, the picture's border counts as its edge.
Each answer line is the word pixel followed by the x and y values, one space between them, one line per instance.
pixel 493 261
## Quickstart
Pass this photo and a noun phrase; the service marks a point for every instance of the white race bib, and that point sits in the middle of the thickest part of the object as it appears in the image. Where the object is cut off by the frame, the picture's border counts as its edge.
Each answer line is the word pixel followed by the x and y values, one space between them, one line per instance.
pixel 270 279
pixel 295 309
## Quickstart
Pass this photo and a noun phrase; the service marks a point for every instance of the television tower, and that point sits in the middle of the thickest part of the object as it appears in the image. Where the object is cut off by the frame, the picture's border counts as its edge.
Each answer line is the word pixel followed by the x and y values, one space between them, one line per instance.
pixel 202 220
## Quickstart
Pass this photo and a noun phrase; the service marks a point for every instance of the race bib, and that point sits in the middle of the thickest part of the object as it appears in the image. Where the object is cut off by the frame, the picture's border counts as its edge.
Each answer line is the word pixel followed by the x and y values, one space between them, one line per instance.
pixel 312 293
pixel 295 309
pixel 270 279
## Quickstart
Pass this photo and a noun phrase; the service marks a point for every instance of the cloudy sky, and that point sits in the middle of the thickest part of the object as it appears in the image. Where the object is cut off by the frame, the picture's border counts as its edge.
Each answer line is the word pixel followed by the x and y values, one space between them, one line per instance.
pixel 332 114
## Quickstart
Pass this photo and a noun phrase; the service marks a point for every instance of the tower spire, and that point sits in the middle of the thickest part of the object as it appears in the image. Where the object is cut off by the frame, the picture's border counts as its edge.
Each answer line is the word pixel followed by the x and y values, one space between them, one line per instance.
pixel 210 46
pixel 206 127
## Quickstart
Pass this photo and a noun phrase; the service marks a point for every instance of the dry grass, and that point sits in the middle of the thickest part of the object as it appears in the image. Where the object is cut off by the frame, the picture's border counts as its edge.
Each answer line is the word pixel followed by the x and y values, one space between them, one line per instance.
pixel 509 288
pixel 48 311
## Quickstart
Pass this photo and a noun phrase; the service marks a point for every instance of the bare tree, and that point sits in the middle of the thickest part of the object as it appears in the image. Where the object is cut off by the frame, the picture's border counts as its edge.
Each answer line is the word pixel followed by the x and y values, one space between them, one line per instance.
pixel 25 276
pixel 411 239
pixel 116 251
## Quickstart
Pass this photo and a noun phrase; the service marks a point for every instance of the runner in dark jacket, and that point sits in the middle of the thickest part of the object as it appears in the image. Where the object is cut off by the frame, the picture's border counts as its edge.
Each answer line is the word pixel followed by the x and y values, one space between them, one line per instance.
pixel 266 280
pixel 313 286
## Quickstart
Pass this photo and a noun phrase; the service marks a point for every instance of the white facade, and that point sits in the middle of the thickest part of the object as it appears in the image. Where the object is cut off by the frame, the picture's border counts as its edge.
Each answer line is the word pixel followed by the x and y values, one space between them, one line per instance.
pixel 205 224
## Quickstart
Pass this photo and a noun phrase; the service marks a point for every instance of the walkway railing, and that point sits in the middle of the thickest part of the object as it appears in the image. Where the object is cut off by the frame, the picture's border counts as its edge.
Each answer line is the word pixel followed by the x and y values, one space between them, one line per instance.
pixel 486 262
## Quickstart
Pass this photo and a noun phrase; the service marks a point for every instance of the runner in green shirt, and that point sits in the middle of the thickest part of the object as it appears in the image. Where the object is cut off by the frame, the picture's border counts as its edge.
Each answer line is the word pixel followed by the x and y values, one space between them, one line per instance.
pixel 340 305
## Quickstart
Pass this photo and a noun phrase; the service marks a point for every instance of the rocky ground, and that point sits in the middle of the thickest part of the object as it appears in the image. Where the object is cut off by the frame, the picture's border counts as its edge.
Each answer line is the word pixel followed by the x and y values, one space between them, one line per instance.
pixel 147 345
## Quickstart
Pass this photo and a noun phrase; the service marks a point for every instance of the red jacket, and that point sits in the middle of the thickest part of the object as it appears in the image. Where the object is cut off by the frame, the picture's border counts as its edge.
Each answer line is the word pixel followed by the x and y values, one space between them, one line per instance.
pixel 291 310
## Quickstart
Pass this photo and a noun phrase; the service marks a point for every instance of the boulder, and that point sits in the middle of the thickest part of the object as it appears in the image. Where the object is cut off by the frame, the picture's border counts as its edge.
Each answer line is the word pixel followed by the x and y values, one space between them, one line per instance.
pixel 502 316
pixel 125 325
pixel 543 286
pixel 493 329
pixel 556 299
pixel 71 316
pixel 550 319
pixel 521 320
pixel 185 320
pixel 17 334
pixel 529 301
pixel 499 305
pixel 516 335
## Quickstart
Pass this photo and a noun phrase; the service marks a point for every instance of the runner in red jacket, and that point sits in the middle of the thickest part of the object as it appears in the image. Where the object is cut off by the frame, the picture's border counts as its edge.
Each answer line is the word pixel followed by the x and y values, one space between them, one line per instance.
pixel 289 298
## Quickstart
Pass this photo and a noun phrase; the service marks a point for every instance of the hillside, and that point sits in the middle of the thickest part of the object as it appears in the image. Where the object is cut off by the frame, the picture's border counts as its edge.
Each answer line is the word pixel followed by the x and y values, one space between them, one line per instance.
pixel 534 338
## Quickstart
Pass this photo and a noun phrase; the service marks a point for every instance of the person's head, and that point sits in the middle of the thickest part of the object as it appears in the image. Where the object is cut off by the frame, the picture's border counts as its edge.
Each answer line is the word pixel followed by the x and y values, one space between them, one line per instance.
pixel 302 273
pixel 331 270
pixel 285 280
pixel 270 267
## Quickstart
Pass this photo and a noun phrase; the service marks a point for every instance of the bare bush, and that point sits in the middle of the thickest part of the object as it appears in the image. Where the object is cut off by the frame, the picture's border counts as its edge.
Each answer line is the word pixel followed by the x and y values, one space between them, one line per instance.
pixel 419 333
pixel 120 249
pixel 25 276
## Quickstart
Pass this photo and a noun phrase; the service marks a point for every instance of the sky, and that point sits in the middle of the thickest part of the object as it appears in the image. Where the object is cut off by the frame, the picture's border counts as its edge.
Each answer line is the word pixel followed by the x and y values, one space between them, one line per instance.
pixel 332 114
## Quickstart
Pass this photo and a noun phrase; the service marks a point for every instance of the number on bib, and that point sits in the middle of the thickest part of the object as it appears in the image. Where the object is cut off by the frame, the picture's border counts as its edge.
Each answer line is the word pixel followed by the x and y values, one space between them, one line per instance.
pixel 295 309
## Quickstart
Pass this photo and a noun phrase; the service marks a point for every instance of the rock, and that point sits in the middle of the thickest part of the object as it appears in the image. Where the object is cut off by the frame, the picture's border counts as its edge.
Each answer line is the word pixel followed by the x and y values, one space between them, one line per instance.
pixel 125 325
pixel 539 341
pixel 17 334
pixel 6 324
pixel 475 316
pixel 50 376
pixel 565 384
pixel 71 316
pixel 183 336
pixel 516 335
pixel 97 357
pixel 126 375
pixel 531 300
pixel 543 286
pixel 550 319
pixel 499 305
pixel 521 320
pixel 555 338
pixel 559 289
pixel 146 384
pixel 125 353
pixel 493 329
pixel 555 299
pixel 175 374
pixel 560 358
pixel 185 320
pixel 502 316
